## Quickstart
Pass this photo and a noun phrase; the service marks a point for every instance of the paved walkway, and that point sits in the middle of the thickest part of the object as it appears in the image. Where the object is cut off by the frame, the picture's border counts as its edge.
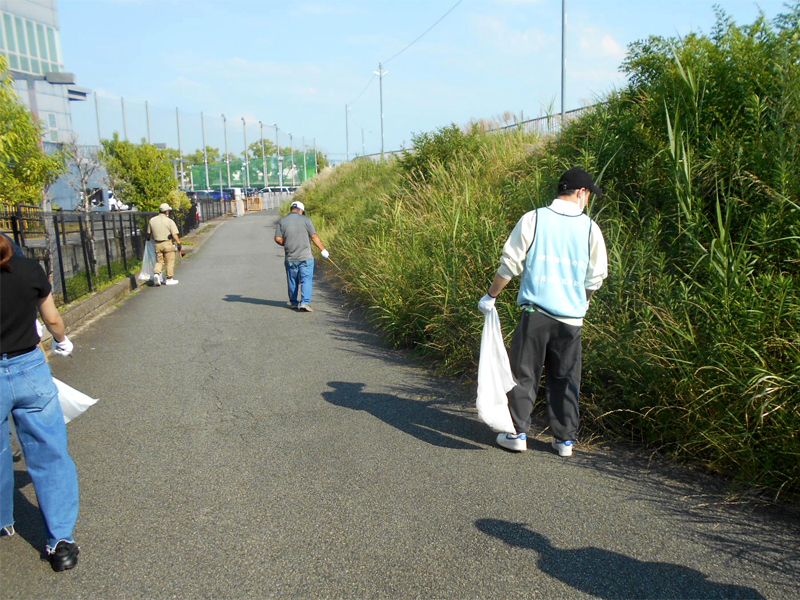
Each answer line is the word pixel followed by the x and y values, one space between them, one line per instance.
pixel 244 450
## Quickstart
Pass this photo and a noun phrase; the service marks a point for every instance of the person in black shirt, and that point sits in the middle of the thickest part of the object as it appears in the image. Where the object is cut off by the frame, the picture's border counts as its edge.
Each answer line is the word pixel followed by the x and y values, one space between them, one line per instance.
pixel 28 393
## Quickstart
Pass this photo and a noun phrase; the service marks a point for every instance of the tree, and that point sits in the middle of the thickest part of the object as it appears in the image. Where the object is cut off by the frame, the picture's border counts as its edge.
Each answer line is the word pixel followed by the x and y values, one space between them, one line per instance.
pixel 196 158
pixel 85 164
pixel 25 169
pixel 254 150
pixel 140 175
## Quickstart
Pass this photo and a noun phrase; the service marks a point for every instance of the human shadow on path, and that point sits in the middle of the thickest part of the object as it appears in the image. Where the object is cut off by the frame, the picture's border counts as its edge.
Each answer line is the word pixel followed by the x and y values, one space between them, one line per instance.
pixel 611 575
pixel 424 419
pixel 248 300
pixel 27 517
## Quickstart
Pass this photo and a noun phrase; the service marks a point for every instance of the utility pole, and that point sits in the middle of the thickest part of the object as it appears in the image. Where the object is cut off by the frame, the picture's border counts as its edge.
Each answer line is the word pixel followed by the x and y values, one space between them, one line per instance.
pixel 124 120
pixel 227 162
pixel 380 72
pixel 347 132
pixel 305 161
pixel 563 57
pixel 97 114
pixel 147 116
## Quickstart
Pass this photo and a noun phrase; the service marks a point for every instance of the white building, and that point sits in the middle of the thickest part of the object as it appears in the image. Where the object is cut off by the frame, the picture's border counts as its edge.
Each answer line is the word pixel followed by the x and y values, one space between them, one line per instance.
pixel 29 39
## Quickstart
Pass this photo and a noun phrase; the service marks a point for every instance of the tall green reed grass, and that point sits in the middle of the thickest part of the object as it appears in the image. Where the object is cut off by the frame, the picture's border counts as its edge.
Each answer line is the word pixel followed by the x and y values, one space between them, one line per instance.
pixel 693 344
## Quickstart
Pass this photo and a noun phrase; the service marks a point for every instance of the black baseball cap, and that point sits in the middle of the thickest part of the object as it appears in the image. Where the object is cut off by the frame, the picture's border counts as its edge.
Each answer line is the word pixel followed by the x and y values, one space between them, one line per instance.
pixel 575 179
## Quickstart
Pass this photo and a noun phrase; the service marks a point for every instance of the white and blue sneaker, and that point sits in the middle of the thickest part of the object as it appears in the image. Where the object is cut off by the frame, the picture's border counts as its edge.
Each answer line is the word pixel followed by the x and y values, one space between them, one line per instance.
pixel 564 447
pixel 515 442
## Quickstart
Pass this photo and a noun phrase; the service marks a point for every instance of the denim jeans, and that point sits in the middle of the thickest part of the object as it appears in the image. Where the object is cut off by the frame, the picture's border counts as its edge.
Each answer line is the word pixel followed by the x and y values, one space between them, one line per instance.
pixel 28 393
pixel 300 274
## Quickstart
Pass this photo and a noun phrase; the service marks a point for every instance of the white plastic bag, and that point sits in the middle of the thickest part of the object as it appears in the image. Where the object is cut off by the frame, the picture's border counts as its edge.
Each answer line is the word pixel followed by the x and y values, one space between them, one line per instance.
pixel 494 377
pixel 148 261
pixel 73 402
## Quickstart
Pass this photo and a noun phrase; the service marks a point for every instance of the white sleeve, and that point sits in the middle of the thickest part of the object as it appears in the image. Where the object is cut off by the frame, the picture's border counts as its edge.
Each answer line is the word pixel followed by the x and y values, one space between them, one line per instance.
pixel 597 270
pixel 512 263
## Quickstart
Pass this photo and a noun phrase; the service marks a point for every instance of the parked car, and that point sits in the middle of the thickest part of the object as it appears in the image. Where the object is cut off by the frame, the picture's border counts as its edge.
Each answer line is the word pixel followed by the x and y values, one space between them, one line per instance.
pixel 104 200
pixel 216 194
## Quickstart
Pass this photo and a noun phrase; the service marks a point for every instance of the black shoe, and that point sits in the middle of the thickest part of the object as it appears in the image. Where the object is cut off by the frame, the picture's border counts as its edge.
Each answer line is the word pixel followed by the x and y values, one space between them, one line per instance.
pixel 65 556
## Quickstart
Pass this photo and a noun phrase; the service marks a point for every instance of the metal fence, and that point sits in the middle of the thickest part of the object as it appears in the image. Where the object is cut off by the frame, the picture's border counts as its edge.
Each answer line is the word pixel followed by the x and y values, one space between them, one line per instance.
pixel 547 125
pixel 83 250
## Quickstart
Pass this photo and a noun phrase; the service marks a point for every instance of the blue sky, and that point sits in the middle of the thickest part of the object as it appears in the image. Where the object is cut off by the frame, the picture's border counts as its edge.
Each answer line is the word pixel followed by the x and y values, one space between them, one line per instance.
pixel 299 63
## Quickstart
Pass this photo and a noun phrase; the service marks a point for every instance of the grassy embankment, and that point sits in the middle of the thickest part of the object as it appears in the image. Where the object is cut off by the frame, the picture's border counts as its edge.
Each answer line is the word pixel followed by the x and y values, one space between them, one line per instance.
pixel 693 344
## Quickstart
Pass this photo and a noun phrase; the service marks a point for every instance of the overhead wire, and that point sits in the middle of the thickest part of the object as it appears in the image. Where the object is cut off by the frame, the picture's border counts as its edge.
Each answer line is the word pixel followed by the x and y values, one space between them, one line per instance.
pixel 418 38
pixel 362 91
pixel 452 8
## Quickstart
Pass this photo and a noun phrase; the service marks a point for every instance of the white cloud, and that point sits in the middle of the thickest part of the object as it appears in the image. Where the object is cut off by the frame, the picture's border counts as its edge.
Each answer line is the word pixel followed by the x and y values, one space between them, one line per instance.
pixel 600 44
pixel 508 40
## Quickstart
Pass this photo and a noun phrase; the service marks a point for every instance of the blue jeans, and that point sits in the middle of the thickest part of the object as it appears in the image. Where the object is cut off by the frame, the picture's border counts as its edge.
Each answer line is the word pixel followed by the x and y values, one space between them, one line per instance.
pixel 300 274
pixel 28 393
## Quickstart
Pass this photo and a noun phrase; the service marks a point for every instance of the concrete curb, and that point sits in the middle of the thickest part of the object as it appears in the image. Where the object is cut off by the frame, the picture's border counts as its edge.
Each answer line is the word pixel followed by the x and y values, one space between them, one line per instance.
pixel 85 311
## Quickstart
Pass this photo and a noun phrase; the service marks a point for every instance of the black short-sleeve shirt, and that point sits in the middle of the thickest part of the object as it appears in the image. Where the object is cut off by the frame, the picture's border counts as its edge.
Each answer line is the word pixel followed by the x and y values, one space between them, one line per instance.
pixel 21 289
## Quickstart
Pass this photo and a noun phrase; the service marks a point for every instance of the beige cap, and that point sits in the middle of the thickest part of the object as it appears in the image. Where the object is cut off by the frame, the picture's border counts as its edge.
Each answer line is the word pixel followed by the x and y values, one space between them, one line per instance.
pixel 164 207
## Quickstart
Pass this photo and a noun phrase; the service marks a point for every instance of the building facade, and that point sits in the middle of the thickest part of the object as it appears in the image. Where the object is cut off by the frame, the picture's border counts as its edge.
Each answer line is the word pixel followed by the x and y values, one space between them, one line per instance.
pixel 29 39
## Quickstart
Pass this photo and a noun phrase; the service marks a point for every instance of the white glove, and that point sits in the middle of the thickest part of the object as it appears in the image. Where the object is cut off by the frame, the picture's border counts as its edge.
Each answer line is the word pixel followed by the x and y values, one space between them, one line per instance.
pixel 486 304
pixel 325 253
pixel 63 348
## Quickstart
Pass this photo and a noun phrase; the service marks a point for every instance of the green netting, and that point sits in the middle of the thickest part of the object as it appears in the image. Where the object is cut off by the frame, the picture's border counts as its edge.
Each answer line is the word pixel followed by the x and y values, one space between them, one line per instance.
pixel 218 173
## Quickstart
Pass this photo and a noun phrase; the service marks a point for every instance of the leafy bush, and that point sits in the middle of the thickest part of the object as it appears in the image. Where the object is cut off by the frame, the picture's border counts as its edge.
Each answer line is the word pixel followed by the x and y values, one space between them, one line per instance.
pixel 440 147
pixel 693 344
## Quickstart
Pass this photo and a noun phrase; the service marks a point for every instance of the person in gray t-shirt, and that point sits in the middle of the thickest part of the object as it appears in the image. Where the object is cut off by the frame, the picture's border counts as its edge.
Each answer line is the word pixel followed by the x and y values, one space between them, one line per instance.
pixel 295 232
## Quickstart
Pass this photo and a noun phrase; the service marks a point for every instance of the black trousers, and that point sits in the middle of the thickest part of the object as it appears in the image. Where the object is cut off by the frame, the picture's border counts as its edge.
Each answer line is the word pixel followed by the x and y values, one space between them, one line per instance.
pixel 541 342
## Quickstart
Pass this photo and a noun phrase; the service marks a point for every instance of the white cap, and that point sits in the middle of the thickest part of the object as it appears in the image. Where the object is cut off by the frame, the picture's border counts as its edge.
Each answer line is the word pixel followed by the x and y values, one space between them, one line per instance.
pixel 164 207
pixel 298 204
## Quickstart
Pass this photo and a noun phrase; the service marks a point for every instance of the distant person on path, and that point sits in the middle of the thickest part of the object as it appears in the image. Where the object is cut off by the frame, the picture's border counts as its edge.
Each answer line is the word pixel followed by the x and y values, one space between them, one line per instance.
pixel 293 232
pixel 27 392
pixel 164 232
pixel 560 254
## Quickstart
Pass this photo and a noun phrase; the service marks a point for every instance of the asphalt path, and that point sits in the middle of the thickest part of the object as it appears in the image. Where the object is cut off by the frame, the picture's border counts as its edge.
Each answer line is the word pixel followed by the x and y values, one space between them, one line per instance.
pixel 241 449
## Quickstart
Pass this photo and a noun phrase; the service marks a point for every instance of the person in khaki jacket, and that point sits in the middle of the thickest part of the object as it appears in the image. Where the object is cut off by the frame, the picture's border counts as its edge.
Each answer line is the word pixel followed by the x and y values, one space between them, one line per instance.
pixel 161 228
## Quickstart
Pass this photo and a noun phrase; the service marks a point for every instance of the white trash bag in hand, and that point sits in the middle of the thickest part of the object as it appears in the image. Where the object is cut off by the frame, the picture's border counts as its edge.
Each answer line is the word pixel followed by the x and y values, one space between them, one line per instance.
pixel 148 261
pixel 494 377
pixel 73 402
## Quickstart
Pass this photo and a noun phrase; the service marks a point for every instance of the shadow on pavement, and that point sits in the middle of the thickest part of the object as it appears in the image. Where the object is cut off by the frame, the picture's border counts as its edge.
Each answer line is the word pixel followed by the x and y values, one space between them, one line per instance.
pixel 424 419
pixel 749 528
pixel 27 518
pixel 611 575
pixel 248 300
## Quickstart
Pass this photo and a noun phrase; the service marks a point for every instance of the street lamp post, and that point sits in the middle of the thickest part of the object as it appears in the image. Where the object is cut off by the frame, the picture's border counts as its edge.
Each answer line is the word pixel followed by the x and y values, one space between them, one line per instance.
pixel 263 154
pixel 227 161
pixel 291 150
pixel 305 159
pixel 278 153
pixel 205 153
pixel 246 164
pixel 316 167
pixel 180 148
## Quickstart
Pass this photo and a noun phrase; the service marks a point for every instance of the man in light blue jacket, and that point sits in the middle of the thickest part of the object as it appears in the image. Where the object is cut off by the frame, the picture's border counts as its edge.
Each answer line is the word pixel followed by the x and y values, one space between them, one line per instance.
pixel 560 254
